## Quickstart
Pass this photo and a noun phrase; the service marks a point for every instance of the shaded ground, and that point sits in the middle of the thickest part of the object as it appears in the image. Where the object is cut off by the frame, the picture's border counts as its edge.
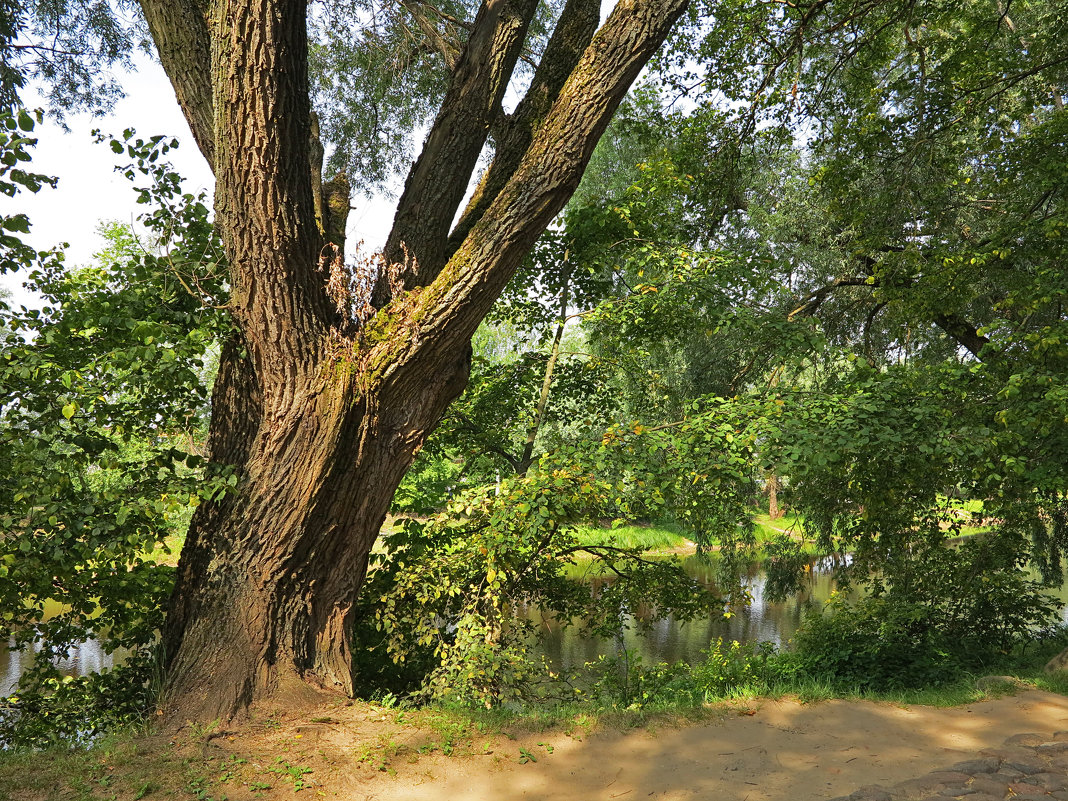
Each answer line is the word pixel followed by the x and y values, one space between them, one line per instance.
pixel 780 750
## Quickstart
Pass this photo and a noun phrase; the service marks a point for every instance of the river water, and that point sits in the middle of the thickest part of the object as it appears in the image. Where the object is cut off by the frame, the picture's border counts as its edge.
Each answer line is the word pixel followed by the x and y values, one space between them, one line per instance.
pixel 668 640
pixel 84 659
pixel 671 640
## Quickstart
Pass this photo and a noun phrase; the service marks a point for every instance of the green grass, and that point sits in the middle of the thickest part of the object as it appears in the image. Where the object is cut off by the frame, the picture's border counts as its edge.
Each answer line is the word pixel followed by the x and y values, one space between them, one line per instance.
pixel 54 773
pixel 814 689
pixel 116 762
pixel 647 538
pixel 810 690
pixel 668 536
pixel 167 553
pixel 790 521
pixel 971 505
pixel 971 531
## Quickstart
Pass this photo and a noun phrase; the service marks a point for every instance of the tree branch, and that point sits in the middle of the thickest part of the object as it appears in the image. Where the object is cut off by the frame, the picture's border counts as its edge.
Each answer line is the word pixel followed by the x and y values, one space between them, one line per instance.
pixel 183 40
pixel 438 179
pixel 573 32
pixel 449 310
pixel 963 332
pixel 815 299
pixel 546 385
pixel 450 51
pixel 481 435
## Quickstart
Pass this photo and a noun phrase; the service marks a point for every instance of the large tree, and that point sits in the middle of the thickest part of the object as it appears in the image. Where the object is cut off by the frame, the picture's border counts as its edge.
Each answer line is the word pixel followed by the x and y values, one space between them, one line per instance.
pixel 330 380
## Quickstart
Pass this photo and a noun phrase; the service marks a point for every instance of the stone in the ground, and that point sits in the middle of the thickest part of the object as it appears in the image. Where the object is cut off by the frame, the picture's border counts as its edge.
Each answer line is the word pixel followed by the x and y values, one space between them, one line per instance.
pixel 1028 767
pixel 871 792
pixel 931 783
pixel 973 766
pixel 994 785
pixel 1050 781
pixel 1058 663
pixel 1029 739
pixel 1026 788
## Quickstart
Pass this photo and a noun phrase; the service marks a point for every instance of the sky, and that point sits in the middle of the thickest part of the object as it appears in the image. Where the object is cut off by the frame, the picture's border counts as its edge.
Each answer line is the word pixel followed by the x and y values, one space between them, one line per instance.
pixel 90 191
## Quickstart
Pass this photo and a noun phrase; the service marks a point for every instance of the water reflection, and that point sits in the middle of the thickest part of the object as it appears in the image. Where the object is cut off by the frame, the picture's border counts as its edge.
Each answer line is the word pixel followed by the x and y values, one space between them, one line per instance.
pixel 83 659
pixel 670 640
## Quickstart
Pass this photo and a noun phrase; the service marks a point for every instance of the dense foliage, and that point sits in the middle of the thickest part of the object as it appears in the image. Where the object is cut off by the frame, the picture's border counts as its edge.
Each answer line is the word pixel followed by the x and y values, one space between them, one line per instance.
pixel 867 288
pixel 103 424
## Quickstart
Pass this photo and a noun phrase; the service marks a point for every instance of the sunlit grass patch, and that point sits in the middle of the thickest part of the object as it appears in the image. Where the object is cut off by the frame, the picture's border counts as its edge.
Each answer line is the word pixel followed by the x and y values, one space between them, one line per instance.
pixel 647 538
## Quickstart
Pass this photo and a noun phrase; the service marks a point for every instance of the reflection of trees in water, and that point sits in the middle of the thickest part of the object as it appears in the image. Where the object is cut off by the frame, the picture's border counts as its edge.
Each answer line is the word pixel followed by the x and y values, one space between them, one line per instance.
pixel 83 659
pixel 669 640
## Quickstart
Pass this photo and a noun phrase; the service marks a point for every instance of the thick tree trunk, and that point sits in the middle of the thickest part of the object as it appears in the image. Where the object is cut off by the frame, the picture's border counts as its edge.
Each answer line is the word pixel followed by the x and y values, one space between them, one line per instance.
pixel 269 576
pixel 318 413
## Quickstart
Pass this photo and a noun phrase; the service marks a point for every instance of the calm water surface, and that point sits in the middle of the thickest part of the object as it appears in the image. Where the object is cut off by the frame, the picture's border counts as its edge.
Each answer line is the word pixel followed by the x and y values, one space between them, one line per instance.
pixel 668 640
pixel 86 658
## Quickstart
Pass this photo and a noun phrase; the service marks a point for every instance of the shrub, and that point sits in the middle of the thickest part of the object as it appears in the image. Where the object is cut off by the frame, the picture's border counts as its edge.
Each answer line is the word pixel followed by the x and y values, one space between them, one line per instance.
pixel 874 643
pixel 626 680
pixel 729 667
pixel 936 613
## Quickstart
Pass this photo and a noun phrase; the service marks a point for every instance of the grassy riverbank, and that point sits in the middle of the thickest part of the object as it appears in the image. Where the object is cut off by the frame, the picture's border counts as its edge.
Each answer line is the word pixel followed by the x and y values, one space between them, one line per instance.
pixel 667 537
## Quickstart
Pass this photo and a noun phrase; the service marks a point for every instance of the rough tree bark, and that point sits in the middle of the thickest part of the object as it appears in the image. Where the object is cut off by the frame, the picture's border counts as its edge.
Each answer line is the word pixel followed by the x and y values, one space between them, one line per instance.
pixel 321 411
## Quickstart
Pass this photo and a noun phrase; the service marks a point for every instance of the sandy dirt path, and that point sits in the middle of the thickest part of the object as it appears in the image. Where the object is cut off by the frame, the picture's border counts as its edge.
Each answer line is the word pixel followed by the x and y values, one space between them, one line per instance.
pixel 785 751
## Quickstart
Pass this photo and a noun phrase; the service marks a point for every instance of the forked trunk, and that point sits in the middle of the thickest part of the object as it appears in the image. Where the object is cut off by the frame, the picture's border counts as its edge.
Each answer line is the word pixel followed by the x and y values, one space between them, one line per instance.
pixel 318 409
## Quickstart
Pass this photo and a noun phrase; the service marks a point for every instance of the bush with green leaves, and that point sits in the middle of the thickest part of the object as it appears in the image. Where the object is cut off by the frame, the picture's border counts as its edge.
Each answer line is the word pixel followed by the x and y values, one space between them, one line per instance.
pixel 929 618
pixel 438 615
pixel 874 643
pixel 101 433
pixel 725 669
pixel 623 680
pixel 730 667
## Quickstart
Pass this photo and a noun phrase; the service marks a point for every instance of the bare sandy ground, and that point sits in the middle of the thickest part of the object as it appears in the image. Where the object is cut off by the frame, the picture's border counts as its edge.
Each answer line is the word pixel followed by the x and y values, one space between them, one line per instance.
pixel 773 751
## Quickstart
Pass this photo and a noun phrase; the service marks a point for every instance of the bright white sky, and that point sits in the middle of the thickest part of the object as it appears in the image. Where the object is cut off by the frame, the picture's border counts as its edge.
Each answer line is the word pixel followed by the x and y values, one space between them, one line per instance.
pixel 90 191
